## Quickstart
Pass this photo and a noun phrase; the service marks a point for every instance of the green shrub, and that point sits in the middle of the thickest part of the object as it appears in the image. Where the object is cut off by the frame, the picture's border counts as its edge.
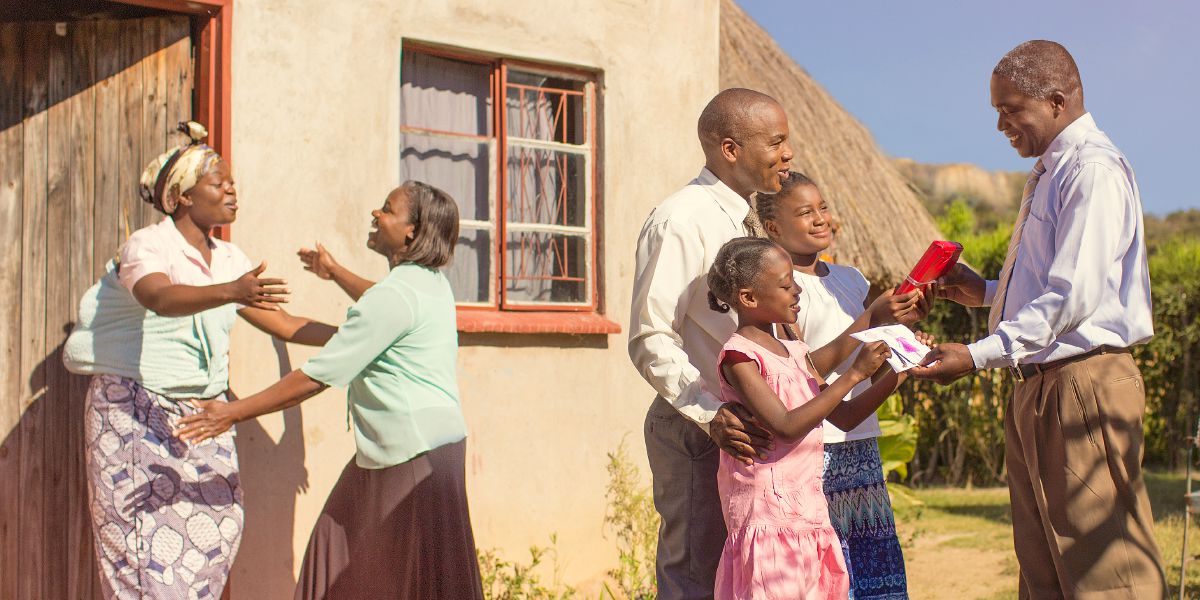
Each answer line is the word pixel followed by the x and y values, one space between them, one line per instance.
pixel 1170 361
pixel 503 580
pixel 631 517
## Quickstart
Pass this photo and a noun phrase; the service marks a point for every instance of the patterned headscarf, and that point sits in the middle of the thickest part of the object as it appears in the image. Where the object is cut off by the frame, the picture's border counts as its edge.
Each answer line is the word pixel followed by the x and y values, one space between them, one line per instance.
pixel 177 171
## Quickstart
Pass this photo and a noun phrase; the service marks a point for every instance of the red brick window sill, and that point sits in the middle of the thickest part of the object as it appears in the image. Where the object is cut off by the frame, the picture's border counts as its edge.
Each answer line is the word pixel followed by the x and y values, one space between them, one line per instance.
pixel 578 323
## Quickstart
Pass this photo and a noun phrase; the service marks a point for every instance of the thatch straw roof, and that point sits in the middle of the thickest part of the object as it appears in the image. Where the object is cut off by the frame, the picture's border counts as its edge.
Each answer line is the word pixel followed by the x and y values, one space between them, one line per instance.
pixel 884 227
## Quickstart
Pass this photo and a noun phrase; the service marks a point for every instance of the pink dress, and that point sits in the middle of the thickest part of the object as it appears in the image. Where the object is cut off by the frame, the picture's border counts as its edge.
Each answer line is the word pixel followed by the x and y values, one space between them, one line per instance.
pixel 781 543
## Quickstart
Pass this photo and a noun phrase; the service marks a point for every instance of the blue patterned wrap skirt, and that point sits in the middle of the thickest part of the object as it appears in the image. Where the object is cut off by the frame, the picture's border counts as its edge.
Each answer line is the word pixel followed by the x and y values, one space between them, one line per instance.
pixel 166 516
pixel 861 512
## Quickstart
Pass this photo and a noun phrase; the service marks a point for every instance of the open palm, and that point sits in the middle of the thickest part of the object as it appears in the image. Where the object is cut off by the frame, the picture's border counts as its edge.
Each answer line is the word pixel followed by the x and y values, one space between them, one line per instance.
pixel 318 261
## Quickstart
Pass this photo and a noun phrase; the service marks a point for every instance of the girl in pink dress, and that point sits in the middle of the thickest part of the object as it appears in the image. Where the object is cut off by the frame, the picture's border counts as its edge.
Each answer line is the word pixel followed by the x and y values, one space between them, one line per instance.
pixel 781 543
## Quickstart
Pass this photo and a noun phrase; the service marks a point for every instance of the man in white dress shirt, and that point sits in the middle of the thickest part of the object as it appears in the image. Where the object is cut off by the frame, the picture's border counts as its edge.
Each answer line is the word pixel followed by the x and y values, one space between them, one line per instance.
pixel 1072 298
pixel 674 337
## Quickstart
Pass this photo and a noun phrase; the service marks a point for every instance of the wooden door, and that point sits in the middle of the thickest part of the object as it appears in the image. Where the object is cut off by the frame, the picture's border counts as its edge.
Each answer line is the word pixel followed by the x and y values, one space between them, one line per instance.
pixel 84 105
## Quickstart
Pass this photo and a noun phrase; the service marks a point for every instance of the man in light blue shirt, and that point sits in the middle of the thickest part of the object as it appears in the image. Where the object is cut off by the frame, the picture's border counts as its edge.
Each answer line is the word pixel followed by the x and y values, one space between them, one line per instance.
pixel 1072 298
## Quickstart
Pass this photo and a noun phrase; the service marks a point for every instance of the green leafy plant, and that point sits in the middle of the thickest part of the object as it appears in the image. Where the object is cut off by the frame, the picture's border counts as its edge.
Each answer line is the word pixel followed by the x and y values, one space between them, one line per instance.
pixel 1170 361
pixel 897 446
pixel 960 428
pixel 631 517
pixel 504 580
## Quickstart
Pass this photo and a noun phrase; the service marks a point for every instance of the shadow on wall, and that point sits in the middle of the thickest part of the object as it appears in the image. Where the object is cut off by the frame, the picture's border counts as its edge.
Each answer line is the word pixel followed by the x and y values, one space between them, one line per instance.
pixel 273 474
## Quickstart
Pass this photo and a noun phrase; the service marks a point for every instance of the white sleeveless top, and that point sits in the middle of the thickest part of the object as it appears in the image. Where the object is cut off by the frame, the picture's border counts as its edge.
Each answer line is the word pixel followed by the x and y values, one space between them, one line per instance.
pixel 828 305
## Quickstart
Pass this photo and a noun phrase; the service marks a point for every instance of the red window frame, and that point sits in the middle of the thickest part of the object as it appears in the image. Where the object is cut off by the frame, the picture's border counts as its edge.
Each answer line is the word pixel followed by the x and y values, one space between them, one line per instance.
pixel 503 315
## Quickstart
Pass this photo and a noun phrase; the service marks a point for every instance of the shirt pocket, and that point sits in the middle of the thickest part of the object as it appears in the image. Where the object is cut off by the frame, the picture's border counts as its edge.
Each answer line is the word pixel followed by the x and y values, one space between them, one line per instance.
pixel 1037 239
pixel 797 499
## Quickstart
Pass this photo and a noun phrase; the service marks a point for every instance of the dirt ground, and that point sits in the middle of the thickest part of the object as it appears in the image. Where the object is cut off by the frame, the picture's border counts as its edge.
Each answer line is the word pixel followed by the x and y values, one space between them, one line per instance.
pixel 958 545
pixel 940 569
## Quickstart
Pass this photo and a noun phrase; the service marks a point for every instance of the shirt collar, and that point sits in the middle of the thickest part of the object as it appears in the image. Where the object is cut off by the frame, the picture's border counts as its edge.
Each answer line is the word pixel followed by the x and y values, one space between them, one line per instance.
pixel 1067 139
pixel 172 233
pixel 734 205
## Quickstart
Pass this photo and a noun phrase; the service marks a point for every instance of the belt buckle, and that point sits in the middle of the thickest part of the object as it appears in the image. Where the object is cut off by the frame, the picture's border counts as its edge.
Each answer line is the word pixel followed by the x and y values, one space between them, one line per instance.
pixel 1016 373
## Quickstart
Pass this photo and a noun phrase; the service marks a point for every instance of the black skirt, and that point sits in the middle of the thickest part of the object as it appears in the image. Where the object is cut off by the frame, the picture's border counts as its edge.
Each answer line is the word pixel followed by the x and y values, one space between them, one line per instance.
pixel 403 532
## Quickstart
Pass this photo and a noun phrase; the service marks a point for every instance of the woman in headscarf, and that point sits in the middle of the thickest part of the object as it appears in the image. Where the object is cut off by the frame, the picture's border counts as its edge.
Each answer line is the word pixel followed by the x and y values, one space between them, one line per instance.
pixel 167 516
pixel 396 525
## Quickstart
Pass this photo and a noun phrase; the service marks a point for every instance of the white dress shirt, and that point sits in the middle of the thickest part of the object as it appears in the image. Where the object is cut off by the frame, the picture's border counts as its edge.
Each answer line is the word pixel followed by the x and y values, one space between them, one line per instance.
pixel 674 336
pixel 828 305
pixel 1080 279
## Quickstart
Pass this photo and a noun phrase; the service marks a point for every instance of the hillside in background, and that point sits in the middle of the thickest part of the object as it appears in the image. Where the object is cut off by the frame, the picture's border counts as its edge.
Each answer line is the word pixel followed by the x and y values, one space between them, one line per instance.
pixel 993 195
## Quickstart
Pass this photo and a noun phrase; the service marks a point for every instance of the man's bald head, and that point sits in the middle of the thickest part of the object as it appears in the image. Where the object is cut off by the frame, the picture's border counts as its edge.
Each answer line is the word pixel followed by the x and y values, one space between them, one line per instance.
pixel 744 135
pixel 1038 68
pixel 734 114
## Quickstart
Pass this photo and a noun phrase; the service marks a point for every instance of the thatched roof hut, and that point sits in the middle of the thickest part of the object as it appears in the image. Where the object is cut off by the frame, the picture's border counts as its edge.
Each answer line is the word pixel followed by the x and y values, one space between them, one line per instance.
pixel 884 227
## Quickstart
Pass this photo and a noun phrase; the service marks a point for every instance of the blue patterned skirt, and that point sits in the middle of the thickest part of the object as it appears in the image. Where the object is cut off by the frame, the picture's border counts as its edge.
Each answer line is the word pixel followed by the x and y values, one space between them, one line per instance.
pixel 166 516
pixel 862 516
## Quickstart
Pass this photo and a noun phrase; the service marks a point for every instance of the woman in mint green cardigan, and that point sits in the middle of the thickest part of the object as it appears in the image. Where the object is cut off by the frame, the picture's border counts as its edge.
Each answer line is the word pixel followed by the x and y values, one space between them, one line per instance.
pixel 396 524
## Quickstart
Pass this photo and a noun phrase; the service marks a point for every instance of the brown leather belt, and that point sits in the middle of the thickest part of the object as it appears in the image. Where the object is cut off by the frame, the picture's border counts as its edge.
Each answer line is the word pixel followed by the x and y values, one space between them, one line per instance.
pixel 1023 372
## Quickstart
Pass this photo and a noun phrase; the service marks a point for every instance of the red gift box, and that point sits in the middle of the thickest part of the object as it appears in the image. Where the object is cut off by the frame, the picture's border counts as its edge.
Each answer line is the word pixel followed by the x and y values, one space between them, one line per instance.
pixel 937 260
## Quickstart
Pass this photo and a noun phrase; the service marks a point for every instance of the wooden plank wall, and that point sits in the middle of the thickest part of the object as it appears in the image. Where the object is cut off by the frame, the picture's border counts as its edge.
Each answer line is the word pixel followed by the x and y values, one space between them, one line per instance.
pixel 83 111
pixel 12 193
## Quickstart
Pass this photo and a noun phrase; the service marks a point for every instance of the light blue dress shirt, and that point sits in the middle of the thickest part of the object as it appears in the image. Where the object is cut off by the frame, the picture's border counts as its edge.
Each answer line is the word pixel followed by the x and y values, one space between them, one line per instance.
pixel 1080 279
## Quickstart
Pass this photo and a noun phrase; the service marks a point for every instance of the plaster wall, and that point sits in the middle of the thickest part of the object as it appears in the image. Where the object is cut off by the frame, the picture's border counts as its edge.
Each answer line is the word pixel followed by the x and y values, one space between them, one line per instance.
pixel 316 147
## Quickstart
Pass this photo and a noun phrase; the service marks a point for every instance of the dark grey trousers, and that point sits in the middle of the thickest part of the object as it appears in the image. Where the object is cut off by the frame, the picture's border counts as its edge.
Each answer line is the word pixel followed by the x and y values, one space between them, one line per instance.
pixel 683 462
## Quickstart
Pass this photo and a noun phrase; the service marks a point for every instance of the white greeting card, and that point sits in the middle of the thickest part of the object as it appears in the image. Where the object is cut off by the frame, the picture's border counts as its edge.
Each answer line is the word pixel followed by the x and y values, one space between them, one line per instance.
pixel 907 351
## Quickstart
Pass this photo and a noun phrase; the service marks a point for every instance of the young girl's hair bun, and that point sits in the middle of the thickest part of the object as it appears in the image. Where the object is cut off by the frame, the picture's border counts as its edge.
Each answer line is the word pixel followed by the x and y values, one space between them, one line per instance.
pixel 716 304
pixel 736 266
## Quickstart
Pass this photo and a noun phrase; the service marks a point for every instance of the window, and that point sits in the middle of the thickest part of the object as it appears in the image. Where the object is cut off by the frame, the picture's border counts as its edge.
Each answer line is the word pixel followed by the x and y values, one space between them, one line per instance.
pixel 522 170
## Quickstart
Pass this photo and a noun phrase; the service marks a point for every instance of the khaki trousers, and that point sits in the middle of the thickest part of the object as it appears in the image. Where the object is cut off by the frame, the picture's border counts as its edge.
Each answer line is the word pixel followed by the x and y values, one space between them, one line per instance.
pixel 1081 517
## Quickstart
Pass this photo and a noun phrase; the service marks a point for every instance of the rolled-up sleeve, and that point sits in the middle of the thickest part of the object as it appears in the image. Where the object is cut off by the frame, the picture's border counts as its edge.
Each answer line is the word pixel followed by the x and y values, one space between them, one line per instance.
pixel 1092 227
pixel 669 261
pixel 380 317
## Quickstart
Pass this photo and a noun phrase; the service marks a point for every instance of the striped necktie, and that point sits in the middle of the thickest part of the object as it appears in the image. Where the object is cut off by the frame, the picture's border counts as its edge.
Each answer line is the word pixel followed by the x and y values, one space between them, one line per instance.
pixel 997 312
pixel 751 225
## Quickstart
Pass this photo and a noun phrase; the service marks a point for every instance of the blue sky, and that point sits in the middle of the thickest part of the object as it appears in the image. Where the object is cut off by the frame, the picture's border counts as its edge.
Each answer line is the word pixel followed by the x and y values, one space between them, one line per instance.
pixel 916 73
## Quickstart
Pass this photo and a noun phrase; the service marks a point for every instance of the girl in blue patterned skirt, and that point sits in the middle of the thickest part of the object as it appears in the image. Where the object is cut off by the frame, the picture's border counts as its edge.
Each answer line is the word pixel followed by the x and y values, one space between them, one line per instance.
pixel 798 219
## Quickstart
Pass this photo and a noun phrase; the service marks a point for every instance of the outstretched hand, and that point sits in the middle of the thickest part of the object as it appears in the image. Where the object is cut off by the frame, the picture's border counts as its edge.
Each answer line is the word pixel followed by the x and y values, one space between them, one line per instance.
pixel 318 261
pixel 259 292
pixel 960 284
pixel 213 419
pixel 735 430
pixel 945 364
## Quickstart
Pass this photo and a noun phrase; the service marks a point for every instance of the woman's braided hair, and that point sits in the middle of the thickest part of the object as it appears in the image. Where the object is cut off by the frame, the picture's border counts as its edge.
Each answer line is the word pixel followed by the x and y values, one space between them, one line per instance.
pixel 767 205
pixel 737 265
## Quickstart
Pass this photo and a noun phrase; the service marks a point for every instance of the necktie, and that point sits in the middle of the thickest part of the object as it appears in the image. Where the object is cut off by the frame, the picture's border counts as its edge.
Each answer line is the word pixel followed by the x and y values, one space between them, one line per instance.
pixel 751 224
pixel 997 312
